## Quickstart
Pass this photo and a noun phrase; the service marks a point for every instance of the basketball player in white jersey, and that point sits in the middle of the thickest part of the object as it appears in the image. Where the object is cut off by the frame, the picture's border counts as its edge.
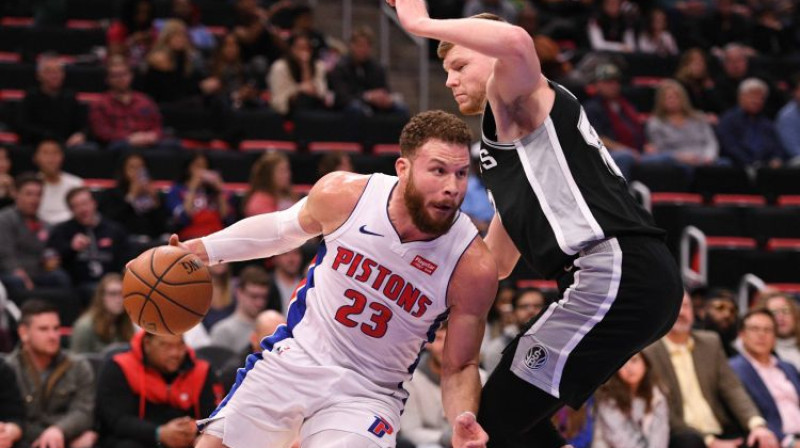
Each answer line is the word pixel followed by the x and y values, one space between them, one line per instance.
pixel 564 208
pixel 397 258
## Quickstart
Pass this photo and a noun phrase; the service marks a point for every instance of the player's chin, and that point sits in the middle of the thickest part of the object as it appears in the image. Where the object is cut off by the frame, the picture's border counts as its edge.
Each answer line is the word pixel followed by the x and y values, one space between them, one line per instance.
pixel 469 108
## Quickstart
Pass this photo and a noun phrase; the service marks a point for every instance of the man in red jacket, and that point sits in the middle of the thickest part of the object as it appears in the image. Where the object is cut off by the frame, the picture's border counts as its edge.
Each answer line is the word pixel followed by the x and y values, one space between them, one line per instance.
pixel 152 394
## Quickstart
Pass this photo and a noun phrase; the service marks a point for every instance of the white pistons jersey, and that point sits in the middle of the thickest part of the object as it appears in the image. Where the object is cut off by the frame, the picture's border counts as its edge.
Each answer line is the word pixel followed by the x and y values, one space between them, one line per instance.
pixel 370 301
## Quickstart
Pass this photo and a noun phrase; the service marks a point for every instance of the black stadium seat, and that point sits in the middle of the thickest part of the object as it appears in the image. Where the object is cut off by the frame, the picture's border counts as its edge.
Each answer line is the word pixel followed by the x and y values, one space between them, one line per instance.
pixel 323 126
pixel 259 125
pixel 17 76
pixel 93 9
pixel 659 177
pixel 777 182
pixel 711 180
pixel 85 78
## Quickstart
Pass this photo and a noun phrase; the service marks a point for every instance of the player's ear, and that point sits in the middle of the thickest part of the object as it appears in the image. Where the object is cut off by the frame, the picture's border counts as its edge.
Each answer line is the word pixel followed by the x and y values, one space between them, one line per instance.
pixel 402 165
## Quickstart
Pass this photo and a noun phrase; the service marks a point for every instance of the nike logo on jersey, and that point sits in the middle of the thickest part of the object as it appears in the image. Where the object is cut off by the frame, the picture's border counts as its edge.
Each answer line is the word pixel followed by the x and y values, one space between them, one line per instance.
pixel 363 229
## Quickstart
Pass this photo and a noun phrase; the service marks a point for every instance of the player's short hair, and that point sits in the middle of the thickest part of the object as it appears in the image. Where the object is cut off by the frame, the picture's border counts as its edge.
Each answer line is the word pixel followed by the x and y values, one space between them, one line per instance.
pixel 445 47
pixel 35 307
pixel 253 275
pixel 433 124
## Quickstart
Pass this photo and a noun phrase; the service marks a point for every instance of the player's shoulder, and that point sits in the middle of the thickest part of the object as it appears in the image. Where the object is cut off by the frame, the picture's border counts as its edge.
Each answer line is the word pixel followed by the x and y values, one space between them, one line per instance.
pixel 335 196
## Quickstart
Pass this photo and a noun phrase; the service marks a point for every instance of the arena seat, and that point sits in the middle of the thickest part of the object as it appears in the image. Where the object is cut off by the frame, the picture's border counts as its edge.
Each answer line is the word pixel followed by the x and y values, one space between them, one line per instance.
pixel 774 182
pixel 324 126
pixel 85 78
pixel 259 125
pixel 17 76
pixel 711 180
pixel 93 9
pixel 381 129
pixel 660 177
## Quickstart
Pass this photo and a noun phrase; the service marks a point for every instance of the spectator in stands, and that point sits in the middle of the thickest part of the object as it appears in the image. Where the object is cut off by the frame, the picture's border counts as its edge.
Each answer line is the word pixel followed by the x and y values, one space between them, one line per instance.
pixel 708 405
pixel 231 81
pixel 48 111
pixel 334 161
pixel 610 30
pixel 297 80
pixel 270 185
pixel 105 322
pixel 89 245
pixel 266 323
pixel 122 118
pixel 677 131
pixel 423 422
pixel 286 275
pixel 189 14
pixel 12 409
pixel 526 304
pixel 134 201
pixel 693 75
pixel 198 202
pixel 24 262
pixel 747 136
pixel 359 82
pixel 151 394
pixel 576 426
pixel 656 38
pixel 302 17
pixel 787 316
pixel 631 409
pixel 501 318
pixel 252 294
pixel 49 158
pixel 6 181
pixel 725 24
pixel 260 44
pixel 615 119
pixel 772 36
pixel 721 315
pixel 501 8
pixel 58 387
pixel 222 304
pixel 774 385
pixel 133 34
pixel 174 67
pixel 788 123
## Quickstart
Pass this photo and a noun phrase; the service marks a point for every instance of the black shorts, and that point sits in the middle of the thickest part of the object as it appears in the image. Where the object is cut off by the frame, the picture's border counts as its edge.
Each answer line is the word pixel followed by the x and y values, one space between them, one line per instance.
pixel 622 295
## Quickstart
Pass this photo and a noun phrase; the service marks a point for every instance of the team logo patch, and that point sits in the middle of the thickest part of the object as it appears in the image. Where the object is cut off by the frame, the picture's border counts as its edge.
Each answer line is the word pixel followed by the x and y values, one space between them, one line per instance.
pixel 380 427
pixel 424 265
pixel 536 357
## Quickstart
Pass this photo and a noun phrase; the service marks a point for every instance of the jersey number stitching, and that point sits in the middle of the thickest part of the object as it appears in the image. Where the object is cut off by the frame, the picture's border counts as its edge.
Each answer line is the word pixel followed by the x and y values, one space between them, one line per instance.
pixel 380 318
pixel 487 162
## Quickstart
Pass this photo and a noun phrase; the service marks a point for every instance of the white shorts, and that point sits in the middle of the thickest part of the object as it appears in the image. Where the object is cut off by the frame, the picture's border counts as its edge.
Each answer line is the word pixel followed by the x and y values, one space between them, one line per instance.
pixel 286 394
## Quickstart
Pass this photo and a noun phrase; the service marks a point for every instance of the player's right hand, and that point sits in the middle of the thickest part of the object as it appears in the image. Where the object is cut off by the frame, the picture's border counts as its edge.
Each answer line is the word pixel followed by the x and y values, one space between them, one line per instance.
pixel 468 433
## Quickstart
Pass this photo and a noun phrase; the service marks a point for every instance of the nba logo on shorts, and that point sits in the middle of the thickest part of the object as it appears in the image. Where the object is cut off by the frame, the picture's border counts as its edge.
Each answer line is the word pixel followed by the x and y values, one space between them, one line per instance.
pixel 380 427
pixel 536 357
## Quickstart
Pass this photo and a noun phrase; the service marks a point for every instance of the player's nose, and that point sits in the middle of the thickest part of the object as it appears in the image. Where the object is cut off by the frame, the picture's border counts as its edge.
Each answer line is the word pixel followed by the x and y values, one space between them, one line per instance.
pixel 452 79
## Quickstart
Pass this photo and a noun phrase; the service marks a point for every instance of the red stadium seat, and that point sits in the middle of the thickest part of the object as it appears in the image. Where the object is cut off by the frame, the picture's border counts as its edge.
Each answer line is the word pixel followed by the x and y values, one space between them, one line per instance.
pixel 335 146
pixel 267 145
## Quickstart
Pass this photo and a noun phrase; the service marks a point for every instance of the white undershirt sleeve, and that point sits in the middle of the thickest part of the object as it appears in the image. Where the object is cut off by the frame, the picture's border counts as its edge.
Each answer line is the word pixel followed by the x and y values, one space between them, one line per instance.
pixel 258 236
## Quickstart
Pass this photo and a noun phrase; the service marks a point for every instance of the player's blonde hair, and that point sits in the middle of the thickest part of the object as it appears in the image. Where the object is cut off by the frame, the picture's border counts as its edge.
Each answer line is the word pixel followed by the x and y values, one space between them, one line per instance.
pixel 433 124
pixel 445 47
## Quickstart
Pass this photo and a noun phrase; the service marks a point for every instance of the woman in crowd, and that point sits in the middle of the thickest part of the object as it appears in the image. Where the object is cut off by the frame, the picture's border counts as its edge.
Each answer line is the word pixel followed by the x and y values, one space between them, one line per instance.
pixel 270 185
pixel 694 76
pixel 631 410
pixel 656 38
pixel 230 80
pixel 134 202
pixel 105 322
pixel 198 203
pixel 677 131
pixel 610 30
pixel 297 81
pixel 174 67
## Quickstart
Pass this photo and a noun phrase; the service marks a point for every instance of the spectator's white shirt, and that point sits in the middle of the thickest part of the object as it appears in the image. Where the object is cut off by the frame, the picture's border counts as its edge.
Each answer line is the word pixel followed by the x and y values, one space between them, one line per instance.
pixel 53 209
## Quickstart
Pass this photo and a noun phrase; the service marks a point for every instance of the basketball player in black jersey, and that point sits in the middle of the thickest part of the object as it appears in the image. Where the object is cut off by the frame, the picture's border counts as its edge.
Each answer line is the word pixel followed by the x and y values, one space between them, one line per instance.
pixel 563 206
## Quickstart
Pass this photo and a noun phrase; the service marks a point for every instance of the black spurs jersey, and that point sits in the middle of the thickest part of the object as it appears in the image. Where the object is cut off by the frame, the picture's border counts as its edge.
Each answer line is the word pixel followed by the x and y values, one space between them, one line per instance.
pixel 557 190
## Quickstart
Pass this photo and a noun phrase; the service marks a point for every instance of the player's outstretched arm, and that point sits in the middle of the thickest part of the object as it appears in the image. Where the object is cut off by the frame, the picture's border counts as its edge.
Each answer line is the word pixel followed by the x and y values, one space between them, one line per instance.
pixel 471 294
pixel 517 70
pixel 328 204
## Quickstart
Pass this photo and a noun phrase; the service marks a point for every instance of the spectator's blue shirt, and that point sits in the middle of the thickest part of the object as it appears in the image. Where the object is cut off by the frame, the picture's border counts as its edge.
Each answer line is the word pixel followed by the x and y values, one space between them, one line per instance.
pixel 748 139
pixel 476 201
pixel 788 126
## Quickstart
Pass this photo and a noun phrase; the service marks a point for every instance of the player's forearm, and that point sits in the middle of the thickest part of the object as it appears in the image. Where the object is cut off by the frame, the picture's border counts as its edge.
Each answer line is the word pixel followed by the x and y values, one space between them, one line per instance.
pixel 461 390
pixel 258 236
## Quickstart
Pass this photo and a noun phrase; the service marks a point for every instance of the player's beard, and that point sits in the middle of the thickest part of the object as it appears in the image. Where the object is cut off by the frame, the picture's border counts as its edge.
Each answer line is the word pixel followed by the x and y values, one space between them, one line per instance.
pixel 475 105
pixel 415 203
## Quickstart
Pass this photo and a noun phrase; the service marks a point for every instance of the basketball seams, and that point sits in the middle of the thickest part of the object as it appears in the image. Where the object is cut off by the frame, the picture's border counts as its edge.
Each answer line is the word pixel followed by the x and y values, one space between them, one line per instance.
pixel 153 289
pixel 158 310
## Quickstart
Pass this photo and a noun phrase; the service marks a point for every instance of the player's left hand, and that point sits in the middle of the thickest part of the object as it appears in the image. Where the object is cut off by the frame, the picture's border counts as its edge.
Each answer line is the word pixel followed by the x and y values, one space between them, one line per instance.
pixel 467 432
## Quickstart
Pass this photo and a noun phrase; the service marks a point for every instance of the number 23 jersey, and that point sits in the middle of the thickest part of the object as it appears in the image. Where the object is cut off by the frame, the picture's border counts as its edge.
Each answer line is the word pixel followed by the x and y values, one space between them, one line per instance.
pixel 371 301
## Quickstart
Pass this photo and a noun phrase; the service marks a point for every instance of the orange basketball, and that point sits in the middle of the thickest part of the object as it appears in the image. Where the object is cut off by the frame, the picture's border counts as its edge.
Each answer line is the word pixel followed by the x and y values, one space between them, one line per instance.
pixel 167 290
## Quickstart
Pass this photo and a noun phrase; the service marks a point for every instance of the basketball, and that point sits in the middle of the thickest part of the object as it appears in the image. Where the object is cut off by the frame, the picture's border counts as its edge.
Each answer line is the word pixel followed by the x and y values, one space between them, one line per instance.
pixel 167 290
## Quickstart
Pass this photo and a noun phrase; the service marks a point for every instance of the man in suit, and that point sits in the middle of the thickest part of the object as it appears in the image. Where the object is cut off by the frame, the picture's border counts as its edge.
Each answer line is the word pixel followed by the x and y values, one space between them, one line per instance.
pixel 701 387
pixel 773 384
